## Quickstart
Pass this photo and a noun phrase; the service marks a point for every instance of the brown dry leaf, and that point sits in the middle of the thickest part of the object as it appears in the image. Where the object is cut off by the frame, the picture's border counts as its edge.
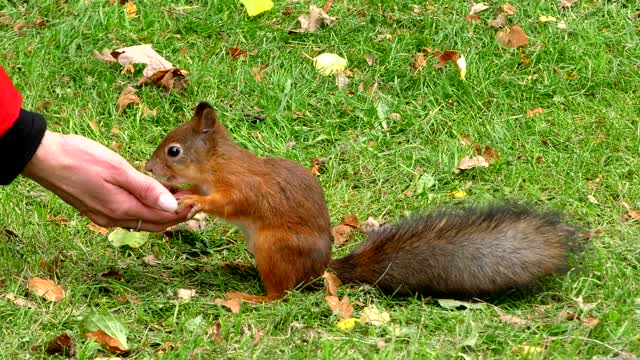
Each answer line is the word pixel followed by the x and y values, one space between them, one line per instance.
pixel 499 22
pixel 46 288
pixel 142 54
pixel 236 53
pixel 589 321
pixel 102 338
pixel 351 220
pixel 215 331
pixel 233 303
pixel 315 166
pixel 115 130
pixel 128 96
pixel 566 3
pixel 513 37
pixel 418 62
pixel 371 224
pixel 146 111
pixel 151 260
pixel 444 57
pixel 173 78
pixel 514 320
pixel 19 25
pixel 341 80
pixel 332 283
pixel 258 71
pixel 115 146
pixel 313 21
pixel 477 7
pixel 53 267
pixel 471 162
pixel 128 69
pixel 20 301
pixel 131 9
pixel 341 234
pixel 633 214
pixel 370 60
pixel 341 308
pixel 62 345
pixel 472 18
pixel 509 9
pixel 535 112
pixel 186 294
pixel 58 219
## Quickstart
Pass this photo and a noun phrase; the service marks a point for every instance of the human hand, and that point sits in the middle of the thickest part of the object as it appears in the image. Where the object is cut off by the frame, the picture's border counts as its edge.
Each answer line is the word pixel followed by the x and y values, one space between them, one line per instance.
pixel 101 184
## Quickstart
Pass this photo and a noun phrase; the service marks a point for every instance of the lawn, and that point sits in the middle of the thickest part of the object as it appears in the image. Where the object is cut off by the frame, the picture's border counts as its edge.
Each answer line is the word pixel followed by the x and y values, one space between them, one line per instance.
pixel 388 140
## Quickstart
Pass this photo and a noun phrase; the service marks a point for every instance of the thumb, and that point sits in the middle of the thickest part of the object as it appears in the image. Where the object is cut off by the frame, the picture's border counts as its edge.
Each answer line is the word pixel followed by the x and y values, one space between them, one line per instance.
pixel 151 192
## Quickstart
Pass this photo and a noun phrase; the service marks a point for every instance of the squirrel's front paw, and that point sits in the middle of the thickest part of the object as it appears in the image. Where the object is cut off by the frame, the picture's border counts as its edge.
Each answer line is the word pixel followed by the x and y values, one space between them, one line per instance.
pixel 189 201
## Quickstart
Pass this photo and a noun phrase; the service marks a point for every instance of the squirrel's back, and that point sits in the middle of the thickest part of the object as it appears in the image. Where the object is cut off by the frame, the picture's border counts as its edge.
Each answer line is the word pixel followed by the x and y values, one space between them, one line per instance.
pixel 467 252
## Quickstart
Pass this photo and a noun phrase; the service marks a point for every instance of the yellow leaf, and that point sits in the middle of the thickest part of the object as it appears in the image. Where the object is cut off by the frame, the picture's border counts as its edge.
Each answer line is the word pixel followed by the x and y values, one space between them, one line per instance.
pixel 373 316
pixel 346 324
pixel 255 7
pixel 328 63
pixel 457 194
pixel 131 9
pixel 462 66
pixel 546 18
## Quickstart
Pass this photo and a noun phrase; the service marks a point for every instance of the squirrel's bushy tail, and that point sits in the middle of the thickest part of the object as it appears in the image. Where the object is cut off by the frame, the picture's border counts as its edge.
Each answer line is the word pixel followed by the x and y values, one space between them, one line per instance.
pixel 469 252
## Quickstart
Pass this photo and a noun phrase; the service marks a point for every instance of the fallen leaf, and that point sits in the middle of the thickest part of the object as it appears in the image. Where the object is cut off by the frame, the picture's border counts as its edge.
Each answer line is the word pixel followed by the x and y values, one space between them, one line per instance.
pixel 133 239
pixel 477 7
pixel 395 116
pixel 634 214
pixel 169 79
pixel 148 112
pixel 62 345
pixel 341 80
pixel 351 220
pixel 457 194
pixel 104 55
pixel 585 307
pixel 341 308
pixel 127 97
pixel 328 63
pixel 373 316
pixel 509 9
pixel 499 22
pixel 589 321
pixel 472 18
pixel 131 9
pixel 186 294
pixel 535 112
pixel 418 62
pixel 346 324
pixel 215 331
pixel 332 283
pixel 46 288
pixel 151 260
pixel 315 166
pixel 19 25
pixel 528 352
pixel 58 219
pixel 313 21
pixel 258 72
pixel 106 330
pixel 142 54
pixel 232 304
pixel 513 37
pixel 592 199
pixel 514 320
pixel 369 58
pixel 370 224
pixel 96 228
pixel 255 7
pixel 546 18
pixel 20 301
pixel 455 304
pixel 341 234
pixel 471 162
pixel 236 53
pixel 562 25
pixel 567 3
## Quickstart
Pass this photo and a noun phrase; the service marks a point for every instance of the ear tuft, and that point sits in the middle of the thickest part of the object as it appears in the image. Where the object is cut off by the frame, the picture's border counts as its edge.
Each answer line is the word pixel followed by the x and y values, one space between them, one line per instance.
pixel 205 117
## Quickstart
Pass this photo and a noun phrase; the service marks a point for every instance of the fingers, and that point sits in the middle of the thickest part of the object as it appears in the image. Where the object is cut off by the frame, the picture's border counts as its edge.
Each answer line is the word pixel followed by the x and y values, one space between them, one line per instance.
pixel 148 191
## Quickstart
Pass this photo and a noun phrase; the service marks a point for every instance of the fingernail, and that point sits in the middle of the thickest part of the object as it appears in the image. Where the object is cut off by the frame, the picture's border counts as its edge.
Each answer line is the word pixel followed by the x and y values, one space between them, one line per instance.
pixel 167 202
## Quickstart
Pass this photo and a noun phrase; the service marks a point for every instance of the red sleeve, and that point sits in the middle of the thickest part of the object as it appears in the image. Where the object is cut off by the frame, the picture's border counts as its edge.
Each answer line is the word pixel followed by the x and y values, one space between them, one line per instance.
pixel 10 102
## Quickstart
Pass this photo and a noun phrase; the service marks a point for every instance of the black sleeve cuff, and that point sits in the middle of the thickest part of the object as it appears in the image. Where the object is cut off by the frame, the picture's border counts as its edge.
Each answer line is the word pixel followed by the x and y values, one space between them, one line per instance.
pixel 19 144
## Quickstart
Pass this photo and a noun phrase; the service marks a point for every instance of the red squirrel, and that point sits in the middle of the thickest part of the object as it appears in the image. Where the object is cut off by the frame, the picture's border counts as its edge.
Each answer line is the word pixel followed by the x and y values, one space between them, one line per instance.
pixel 280 207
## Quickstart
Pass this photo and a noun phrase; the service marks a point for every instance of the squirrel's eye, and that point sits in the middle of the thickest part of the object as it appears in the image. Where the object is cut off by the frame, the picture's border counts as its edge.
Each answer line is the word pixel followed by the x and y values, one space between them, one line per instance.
pixel 174 151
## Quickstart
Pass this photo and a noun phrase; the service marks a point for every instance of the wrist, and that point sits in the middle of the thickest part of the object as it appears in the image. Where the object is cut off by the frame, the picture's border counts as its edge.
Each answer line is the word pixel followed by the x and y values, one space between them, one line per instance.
pixel 47 157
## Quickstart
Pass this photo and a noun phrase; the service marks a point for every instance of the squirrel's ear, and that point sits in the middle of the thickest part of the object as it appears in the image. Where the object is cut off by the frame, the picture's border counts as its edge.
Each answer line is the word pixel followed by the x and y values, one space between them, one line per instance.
pixel 205 117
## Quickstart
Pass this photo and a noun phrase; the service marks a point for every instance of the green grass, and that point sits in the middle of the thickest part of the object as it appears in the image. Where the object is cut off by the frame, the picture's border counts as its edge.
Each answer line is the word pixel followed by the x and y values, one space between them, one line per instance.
pixel 590 130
